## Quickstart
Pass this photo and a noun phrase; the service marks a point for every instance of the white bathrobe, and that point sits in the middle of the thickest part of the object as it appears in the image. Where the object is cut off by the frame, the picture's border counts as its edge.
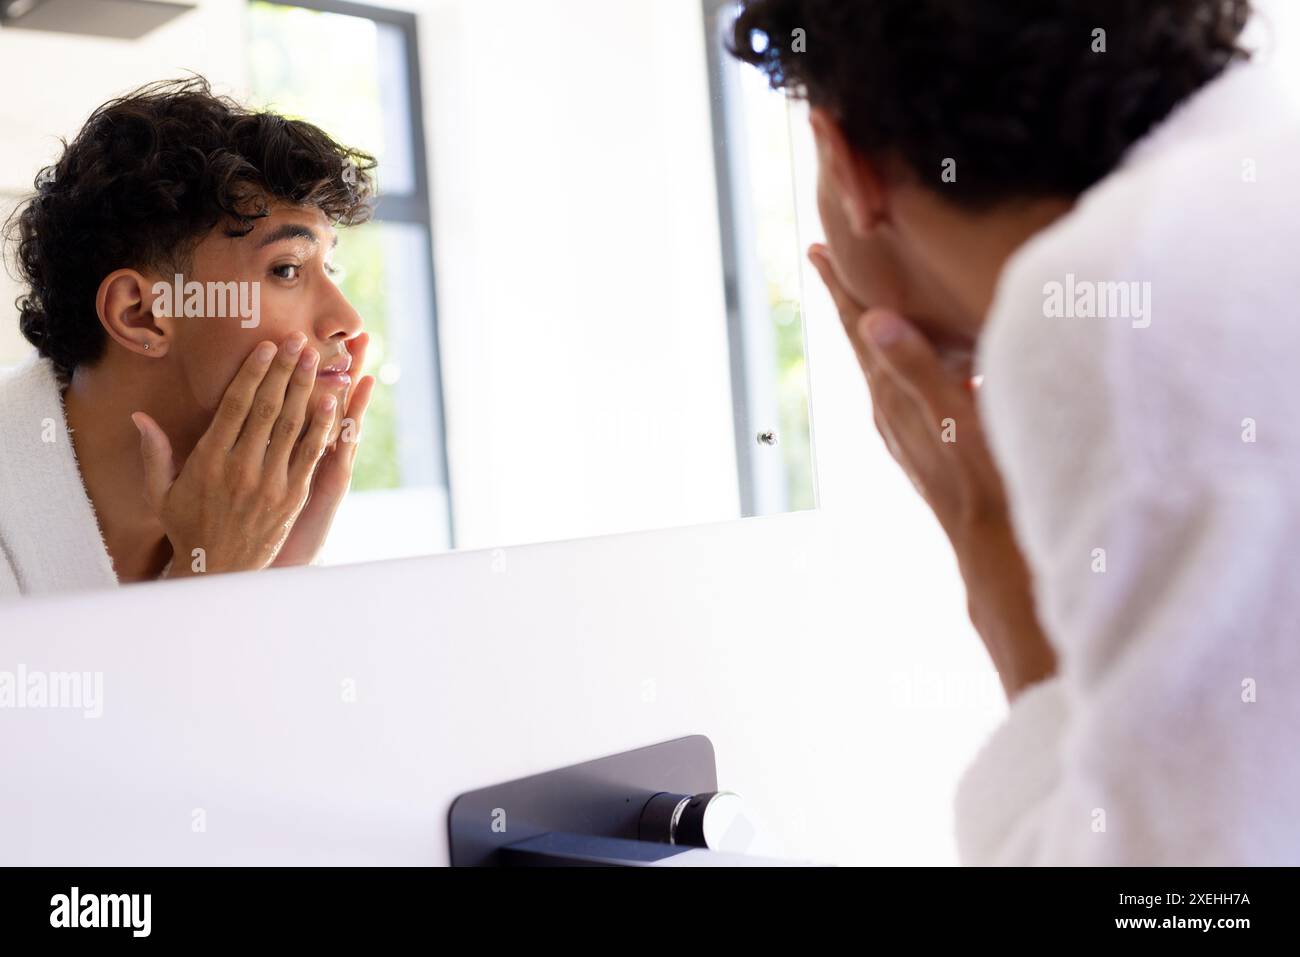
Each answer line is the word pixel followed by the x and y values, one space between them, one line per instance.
pixel 1153 466
pixel 49 537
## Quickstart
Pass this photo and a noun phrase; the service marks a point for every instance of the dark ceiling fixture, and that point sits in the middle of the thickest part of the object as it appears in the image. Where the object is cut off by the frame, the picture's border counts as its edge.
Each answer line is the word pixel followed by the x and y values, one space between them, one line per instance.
pixel 119 19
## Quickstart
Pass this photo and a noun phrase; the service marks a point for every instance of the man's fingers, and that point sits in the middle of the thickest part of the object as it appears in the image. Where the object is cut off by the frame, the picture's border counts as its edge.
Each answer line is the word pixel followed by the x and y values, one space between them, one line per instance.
pixel 357 349
pixel 159 466
pixel 268 401
pixel 229 420
pixel 354 410
pixel 848 308
pixel 312 447
pixel 357 406
pixel 293 415
pixel 334 475
pixel 909 384
pixel 901 352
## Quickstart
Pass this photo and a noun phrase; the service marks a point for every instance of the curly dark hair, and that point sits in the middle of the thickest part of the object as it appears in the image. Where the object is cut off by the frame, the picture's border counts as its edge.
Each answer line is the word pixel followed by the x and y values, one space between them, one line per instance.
pixel 1012 91
pixel 147 177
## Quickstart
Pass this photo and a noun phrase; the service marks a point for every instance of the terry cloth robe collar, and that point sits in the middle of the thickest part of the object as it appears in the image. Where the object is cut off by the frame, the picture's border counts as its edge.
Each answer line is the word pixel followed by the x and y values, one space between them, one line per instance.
pixel 50 539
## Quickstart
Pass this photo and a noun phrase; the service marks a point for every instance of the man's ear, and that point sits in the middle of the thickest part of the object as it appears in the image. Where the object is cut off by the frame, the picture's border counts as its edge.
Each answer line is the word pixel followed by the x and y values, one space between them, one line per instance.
pixel 856 180
pixel 126 303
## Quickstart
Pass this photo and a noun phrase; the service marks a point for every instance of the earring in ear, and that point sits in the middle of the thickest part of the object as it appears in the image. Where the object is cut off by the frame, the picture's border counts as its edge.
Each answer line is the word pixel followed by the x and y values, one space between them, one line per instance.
pixel 146 347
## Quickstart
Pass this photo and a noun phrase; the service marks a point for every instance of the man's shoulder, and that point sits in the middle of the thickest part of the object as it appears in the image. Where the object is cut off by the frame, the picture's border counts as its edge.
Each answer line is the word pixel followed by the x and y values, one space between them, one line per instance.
pixel 29 387
pixel 1192 235
pixel 32 369
pixel 1201 215
pixel 1154 324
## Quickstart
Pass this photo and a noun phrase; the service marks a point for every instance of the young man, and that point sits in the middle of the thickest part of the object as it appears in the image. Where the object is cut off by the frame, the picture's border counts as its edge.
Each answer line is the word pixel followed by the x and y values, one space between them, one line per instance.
pixel 1095 201
pixel 191 407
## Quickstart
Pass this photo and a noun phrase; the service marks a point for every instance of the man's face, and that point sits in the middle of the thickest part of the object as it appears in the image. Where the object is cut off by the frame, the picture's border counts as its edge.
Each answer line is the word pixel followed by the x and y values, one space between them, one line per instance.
pixel 868 266
pixel 882 268
pixel 288 255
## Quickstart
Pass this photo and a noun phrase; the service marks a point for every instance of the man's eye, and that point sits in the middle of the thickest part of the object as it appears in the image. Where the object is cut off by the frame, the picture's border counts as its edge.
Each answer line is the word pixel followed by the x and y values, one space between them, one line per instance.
pixel 290 268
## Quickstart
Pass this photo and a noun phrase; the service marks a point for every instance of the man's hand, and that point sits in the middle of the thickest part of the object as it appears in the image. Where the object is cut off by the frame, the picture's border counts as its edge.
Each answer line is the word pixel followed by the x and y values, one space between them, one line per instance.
pixel 250 474
pixel 334 475
pixel 928 419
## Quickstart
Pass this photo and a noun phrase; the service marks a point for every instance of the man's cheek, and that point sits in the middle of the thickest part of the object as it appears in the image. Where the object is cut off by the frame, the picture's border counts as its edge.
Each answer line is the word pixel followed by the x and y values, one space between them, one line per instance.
pixel 221 374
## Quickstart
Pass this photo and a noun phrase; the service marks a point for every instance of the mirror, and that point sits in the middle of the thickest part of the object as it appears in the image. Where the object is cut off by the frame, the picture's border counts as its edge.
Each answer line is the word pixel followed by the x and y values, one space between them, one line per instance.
pixel 580 280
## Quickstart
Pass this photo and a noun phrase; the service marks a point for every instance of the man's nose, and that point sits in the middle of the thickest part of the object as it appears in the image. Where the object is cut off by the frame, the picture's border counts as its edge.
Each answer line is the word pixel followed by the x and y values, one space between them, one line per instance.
pixel 336 318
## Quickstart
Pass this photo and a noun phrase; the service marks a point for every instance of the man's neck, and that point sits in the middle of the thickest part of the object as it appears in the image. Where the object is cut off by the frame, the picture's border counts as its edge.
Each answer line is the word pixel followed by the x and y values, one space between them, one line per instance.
pixel 98 403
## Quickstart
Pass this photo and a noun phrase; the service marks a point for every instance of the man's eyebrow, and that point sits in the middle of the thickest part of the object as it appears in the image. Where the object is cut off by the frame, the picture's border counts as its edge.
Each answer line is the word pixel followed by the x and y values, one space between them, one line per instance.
pixel 292 231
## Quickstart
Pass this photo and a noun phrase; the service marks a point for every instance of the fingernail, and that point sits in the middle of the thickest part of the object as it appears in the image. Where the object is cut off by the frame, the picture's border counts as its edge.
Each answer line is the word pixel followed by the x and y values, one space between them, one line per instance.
pixel 295 343
pixel 882 328
pixel 308 358
pixel 266 352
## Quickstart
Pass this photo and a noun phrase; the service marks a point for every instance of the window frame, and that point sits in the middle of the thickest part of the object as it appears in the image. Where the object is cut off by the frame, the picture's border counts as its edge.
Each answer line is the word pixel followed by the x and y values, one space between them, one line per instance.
pixel 763 482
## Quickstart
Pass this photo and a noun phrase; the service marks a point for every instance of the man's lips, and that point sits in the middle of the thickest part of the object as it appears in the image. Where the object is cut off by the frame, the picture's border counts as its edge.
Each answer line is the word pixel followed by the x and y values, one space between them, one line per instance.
pixel 336 370
pixel 341 364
